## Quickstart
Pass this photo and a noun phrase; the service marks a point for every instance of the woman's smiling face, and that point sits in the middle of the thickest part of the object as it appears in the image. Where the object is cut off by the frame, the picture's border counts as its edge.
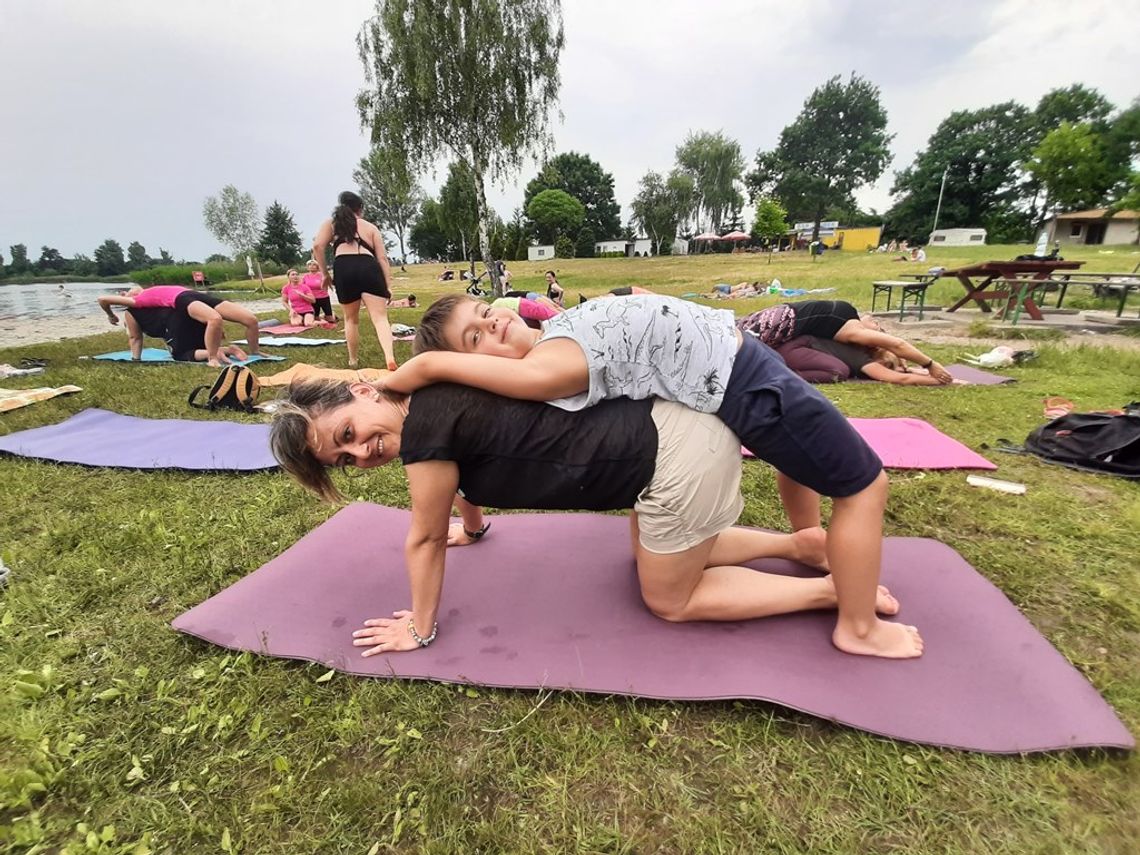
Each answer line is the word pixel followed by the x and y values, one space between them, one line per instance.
pixel 363 433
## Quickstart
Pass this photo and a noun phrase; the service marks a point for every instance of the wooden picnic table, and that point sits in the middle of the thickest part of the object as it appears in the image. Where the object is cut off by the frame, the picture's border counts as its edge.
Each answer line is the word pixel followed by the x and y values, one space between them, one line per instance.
pixel 976 278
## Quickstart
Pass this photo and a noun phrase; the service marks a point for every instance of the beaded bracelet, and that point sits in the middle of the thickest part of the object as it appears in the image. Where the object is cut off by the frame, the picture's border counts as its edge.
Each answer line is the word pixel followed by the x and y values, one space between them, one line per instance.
pixel 417 638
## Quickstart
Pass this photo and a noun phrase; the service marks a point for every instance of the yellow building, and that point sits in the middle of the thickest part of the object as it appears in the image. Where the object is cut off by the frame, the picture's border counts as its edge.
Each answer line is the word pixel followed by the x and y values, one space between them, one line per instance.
pixel 855 240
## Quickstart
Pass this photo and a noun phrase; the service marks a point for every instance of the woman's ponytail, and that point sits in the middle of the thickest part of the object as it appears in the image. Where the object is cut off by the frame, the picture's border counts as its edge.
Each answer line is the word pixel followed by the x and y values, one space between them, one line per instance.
pixel 344 216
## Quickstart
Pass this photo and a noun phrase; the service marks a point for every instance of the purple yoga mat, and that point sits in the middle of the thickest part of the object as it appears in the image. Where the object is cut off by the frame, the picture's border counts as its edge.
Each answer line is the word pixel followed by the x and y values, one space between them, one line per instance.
pixel 101 438
pixel 552 601
pixel 976 377
pixel 913 444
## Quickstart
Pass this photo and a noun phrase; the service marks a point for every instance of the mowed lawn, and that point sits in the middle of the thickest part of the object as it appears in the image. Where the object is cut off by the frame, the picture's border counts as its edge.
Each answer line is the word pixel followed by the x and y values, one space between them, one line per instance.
pixel 118 735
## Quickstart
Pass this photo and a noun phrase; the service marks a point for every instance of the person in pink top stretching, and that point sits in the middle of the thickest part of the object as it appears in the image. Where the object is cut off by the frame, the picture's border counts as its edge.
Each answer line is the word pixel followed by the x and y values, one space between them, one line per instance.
pixel 206 309
pixel 299 300
pixel 322 304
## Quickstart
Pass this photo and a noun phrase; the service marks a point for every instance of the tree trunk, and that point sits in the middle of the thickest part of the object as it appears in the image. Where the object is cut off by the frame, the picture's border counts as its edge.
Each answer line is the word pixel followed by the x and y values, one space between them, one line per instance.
pixel 478 167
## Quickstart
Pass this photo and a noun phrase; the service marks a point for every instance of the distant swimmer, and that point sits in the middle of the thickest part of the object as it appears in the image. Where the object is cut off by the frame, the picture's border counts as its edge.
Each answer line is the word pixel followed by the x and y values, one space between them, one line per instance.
pixel 64 294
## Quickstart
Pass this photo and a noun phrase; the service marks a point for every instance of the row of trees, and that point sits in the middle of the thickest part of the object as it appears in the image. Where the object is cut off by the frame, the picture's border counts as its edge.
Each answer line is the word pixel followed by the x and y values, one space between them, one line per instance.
pixel 108 259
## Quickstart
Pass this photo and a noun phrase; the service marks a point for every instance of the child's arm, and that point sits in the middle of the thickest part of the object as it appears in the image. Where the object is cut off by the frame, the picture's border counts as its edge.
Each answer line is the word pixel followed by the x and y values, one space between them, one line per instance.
pixel 555 369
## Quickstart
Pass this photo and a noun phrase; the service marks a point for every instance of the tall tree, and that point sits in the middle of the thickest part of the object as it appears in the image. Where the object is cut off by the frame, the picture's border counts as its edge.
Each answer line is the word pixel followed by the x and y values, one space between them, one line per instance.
pixel 51 261
pixel 459 211
pixel 427 237
pixel 280 241
pixel 657 209
pixel 475 81
pixel 554 214
pixel 231 217
pixel 716 165
pixel 165 257
pixel 389 189
pixel 109 260
pixel 81 265
pixel 19 263
pixel 685 200
pixel 137 258
pixel 583 178
pixel 980 152
pixel 838 143
pixel 1070 164
pixel 1074 104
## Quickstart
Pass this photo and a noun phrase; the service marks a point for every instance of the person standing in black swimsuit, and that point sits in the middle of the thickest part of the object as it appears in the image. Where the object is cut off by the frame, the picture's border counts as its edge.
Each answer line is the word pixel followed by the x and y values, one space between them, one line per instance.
pixel 361 272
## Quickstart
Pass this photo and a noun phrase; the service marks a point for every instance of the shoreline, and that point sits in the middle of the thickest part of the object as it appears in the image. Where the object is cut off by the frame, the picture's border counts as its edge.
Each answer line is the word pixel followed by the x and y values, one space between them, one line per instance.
pixel 22 332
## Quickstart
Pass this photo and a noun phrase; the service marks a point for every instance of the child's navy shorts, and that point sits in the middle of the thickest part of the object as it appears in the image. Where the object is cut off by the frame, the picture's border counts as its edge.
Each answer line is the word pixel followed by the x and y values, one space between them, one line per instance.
pixel 784 421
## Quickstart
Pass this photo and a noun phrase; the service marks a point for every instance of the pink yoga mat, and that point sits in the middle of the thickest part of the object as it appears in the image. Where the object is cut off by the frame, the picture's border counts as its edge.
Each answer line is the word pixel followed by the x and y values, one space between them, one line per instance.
pixel 285 329
pixel 551 600
pixel 913 444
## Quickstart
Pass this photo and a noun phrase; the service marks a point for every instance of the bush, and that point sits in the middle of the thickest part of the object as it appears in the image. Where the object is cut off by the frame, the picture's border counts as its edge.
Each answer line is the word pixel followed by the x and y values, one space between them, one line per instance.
pixel 564 247
pixel 183 274
pixel 614 254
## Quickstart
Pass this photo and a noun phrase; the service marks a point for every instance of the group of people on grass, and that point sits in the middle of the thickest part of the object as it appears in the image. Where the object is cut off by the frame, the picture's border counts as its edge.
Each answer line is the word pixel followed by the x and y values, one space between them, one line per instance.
pixel 638 402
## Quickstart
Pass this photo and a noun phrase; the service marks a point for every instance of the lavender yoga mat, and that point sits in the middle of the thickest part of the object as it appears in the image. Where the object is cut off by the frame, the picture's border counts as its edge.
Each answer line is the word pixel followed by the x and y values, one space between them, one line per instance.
pixel 552 601
pixel 974 376
pixel 913 444
pixel 101 438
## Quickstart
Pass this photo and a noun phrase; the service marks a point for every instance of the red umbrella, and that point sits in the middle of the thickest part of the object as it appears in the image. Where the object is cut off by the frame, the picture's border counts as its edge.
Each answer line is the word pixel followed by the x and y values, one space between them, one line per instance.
pixel 707 236
pixel 736 235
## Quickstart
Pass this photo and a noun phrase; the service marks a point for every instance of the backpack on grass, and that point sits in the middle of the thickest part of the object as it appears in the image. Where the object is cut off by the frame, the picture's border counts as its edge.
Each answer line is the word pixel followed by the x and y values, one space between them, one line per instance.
pixel 236 388
pixel 1095 442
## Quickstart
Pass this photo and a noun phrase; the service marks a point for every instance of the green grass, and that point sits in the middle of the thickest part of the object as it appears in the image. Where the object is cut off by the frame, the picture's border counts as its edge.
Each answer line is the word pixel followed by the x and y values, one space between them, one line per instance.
pixel 117 735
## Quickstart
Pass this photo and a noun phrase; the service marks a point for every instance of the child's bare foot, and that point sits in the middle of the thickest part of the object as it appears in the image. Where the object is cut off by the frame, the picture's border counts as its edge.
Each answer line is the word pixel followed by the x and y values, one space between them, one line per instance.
pixel 809 546
pixel 885 602
pixel 888 640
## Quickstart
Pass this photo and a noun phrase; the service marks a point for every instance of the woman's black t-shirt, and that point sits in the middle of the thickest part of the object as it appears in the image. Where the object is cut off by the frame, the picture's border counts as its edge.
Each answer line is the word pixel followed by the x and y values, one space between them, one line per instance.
pixel 524 454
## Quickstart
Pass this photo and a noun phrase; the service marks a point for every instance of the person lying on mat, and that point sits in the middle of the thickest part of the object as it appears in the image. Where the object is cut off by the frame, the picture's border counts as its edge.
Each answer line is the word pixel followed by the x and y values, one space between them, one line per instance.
pixel 645 346
pixel 185 337
pixel 191 313
pixel 299 300
pixel 837 320
pixel 825 360
pixel 620 454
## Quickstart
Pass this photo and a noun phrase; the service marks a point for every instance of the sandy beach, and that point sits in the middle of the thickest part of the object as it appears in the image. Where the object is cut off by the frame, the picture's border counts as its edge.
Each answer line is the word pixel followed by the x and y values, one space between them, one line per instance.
pixel 18 332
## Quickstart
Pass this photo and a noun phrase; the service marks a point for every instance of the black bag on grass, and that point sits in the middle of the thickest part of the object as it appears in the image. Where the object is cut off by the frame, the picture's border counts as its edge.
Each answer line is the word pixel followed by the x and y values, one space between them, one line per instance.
pixel 1097 442
pixel 236 388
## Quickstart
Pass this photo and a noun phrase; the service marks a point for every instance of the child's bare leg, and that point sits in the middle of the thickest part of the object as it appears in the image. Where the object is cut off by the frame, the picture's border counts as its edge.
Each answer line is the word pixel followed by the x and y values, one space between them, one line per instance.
pixel 801 503
pixel 854 551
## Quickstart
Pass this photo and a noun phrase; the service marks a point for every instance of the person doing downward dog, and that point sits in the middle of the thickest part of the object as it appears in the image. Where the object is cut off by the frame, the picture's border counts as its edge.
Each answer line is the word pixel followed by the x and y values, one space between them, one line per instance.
pixel 508 453
pixel 315 282
pixel 840 321
pixel 192 323
pixel 645 346
pixel 299 300
pixel 361 272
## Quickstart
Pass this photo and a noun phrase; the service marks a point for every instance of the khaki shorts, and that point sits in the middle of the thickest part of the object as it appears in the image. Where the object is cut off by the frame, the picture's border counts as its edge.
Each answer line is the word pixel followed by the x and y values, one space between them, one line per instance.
pixel 695 491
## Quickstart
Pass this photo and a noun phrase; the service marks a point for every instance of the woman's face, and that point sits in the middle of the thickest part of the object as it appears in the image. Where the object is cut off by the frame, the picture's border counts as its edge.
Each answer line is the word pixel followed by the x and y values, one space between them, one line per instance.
pixel 311 267
pixel 550 279
pixel 364 433
pixel 475 327
pixel 294 277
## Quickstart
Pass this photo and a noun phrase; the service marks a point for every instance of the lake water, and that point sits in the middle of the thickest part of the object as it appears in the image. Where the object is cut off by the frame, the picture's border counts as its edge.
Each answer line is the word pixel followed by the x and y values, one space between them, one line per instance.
pixel 48 300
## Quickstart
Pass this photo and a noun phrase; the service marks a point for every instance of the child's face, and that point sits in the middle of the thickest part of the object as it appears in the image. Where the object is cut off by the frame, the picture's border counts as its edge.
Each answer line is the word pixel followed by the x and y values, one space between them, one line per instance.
pixel 475 327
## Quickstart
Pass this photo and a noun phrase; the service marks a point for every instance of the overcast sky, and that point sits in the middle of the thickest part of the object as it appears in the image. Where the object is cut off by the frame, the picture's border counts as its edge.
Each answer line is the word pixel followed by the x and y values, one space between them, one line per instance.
pixel 119 117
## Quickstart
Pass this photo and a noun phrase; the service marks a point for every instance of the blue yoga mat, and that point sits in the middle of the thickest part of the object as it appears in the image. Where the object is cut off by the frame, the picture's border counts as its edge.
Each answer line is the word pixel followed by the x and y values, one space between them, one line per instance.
pixel 286 341
pixel 155 354
pixel 101 438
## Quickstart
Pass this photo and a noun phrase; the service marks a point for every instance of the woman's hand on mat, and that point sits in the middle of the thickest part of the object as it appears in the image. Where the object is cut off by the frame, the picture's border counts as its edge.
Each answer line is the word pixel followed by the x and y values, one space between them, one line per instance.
pixel 457 535
pixel 385 635
pixel 940 374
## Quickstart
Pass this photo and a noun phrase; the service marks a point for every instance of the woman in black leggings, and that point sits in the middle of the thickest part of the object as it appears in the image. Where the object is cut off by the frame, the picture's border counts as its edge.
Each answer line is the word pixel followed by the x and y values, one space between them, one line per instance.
pixel 361 272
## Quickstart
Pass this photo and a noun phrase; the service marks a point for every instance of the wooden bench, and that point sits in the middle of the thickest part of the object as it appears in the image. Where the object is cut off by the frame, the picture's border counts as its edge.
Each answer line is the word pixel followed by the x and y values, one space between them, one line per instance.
pixel 1103 285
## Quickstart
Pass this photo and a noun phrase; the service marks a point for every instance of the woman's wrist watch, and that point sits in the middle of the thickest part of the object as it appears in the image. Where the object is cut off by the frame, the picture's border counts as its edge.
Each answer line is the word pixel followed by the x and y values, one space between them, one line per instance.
pixel 478 533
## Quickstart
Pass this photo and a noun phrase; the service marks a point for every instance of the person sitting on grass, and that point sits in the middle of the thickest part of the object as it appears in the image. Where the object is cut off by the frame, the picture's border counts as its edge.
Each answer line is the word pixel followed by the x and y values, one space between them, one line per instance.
pixel 646 346
pixel 322 302
pixel 554 291
pixel 298 299
pixel 193 324
pixel 835 320
pixel 740 290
